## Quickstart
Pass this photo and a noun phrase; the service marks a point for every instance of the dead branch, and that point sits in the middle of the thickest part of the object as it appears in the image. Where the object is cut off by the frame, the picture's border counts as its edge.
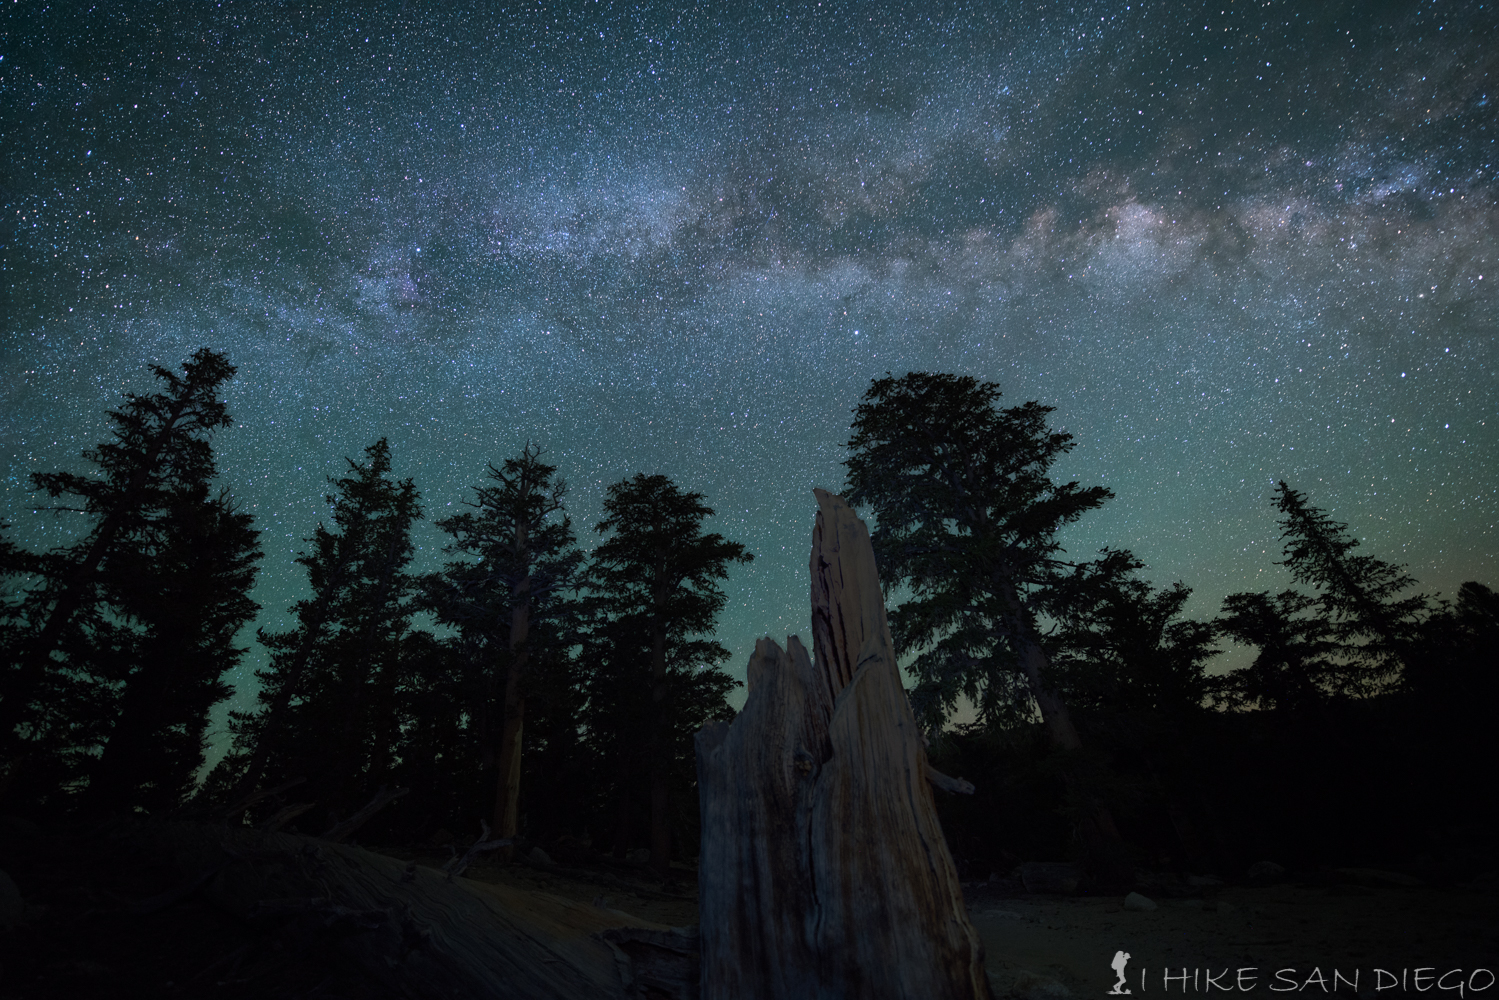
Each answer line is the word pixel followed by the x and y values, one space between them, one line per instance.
pixel 284 816
pixel 456 865
pixel 939 780
pixel 254 797
pixel 384 797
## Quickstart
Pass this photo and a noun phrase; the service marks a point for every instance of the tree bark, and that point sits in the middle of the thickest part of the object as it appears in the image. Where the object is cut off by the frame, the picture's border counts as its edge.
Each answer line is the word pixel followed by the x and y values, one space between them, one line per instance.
pixel 660 792
pixel 1096 829
pixel 507 795
pixel 432 938
pixel 824 872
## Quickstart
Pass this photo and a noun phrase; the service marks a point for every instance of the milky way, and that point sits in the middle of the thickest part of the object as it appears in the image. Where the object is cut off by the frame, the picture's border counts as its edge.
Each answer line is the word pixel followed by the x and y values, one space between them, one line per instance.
pixel 1230 244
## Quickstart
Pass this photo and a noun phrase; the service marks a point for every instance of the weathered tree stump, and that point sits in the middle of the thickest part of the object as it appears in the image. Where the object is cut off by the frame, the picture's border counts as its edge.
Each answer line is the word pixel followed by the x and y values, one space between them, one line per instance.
pixel 823 871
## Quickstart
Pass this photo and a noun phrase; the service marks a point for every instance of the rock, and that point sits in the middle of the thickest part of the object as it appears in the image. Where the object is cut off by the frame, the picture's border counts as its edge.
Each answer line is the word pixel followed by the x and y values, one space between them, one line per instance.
pixel 1049 876
pixel 1030 986
pixel 12 906
pixel 1367 875
pixel 1224 906
pixel 1204 881
pixel 540 857
pixel 1264 871
pixel 1139 903
pixel 16 828
pixel 639 856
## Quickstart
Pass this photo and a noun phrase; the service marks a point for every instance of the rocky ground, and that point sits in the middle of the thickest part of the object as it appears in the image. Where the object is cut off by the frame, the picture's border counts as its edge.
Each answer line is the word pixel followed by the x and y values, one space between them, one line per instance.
pixel 78 923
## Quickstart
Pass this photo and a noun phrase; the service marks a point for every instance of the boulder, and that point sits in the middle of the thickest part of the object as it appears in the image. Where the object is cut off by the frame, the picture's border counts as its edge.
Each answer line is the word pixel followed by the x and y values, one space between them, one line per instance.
pixel 1139 903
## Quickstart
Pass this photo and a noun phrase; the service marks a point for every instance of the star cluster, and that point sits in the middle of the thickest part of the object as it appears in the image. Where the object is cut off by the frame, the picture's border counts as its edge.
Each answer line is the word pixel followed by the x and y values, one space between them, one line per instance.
pixel 1231 243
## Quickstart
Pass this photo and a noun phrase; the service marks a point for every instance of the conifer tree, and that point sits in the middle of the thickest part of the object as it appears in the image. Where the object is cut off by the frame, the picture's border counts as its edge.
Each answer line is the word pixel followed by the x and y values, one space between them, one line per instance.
pixel 1121 644
pixel 657 575
pixel 327 697
pixel 515 595
pixel 967 517
pixel 183 601
pixel 1359 595
pixel 158 454
pixel 1296 667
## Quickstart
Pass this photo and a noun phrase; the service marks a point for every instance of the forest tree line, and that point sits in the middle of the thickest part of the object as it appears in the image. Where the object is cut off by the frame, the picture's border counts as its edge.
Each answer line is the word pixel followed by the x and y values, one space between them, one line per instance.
pixel 558 699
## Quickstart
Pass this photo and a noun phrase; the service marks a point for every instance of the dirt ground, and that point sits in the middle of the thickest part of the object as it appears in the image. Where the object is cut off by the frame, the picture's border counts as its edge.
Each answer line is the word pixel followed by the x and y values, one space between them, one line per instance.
pixel 1301 926
pixel 81 933
pixel 1037 945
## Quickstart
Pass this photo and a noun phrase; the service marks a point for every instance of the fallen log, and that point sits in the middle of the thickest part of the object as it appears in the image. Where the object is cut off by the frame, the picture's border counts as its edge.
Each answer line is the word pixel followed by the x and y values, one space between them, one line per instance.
pixel 429 936
pixel 823 870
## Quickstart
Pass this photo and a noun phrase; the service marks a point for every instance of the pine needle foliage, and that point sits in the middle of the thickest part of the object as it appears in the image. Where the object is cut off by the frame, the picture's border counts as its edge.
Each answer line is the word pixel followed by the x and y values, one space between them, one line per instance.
pixel 967 517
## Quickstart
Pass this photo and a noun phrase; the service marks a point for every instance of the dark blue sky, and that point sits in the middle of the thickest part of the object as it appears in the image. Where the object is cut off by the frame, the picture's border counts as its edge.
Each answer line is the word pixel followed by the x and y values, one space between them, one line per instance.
pixel 1230 243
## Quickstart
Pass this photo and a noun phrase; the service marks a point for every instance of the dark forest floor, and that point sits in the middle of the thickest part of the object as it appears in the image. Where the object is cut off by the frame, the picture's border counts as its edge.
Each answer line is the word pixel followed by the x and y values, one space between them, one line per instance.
pixel 80 937
pixel 1320 920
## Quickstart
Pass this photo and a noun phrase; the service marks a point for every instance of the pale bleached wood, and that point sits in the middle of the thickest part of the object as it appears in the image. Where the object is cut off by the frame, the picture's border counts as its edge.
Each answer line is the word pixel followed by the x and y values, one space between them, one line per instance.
pixel 823 871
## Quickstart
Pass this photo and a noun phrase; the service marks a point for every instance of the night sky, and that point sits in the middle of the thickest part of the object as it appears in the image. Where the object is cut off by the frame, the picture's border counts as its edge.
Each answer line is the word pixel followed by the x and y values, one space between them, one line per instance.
pixel 1230 243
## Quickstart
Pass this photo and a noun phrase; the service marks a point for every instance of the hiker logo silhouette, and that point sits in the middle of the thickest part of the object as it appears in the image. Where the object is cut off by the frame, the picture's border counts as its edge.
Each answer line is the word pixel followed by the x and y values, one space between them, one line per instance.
pixel 1121 959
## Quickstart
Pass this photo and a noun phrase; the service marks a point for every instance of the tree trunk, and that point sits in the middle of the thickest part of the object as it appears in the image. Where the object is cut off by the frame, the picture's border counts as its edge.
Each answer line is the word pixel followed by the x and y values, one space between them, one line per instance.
pixel 433 938
pixel 274 717
pixel 660 796
pixel 824 871
pixel 623 813
pixel 1101 841
pixel 507 795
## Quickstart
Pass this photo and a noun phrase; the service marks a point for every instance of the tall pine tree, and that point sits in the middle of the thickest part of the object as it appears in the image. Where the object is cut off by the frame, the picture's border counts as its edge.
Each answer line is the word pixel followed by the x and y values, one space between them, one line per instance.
pixel 1358 595
pixel 327 699
pixel 515 596
pixel 967 517
pixel 1296 667
pixel 78 633
pixel 657 575
pixel 1120 644
pixel 184 601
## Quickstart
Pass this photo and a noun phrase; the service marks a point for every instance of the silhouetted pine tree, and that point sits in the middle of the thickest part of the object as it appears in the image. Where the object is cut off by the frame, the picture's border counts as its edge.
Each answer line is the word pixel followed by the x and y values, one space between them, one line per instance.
pixel 1348 638
pixel 515 598
pixel 1122 645
pixel 1455 663
pixel 624 727
pixel 967 517
pixel 657 578
pixel 183 601
pixel 1358 595
pixel 1296 667
pixel 328 698
pixel 72 652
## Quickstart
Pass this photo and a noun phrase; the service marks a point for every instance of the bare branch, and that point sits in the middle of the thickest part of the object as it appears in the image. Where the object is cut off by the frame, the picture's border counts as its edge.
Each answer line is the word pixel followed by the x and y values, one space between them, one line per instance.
pixel 384 797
